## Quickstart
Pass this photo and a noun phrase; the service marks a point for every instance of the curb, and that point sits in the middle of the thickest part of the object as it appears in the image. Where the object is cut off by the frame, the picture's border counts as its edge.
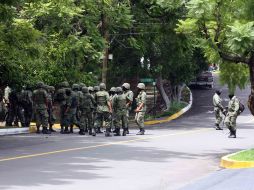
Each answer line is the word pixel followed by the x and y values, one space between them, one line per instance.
pixel 228 163
pixel 14 131
pixel 174 116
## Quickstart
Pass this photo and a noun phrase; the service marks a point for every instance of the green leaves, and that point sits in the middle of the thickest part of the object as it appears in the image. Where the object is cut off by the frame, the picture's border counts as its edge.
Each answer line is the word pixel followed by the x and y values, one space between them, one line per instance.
pixel 240 38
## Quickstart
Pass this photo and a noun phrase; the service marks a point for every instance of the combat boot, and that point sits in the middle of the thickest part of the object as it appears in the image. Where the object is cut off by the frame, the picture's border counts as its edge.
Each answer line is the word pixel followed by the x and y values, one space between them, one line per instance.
pixel 86 129
pixel 127 131
pixel 66 130
pixel 71 129
pixel 124 132
pixel 141 132
pixel 45 131
pixel 117 132
pixel 62 130
pixel 38 130
pixel 217 127
pixel 107 133
pixel 94 132
pixel 82 132
pixel 51 129
pixel 99 130
pixel 90 132
pixel 232 134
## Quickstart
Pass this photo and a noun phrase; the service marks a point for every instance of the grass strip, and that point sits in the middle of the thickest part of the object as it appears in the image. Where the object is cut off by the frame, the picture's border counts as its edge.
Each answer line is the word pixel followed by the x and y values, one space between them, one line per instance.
pixel 247 155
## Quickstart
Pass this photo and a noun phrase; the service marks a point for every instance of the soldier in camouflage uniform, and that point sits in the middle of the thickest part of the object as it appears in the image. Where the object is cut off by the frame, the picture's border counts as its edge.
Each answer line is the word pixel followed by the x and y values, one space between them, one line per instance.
pixel 218 109
pixel 70 114
pixel 60 98
pixel 112 94
pixel 27 104
pixel 51 119
pixel 86 106
pixel 78 95
pixel 141 108
pixel 119 106
pixel 99 125
pixel 40 100
pixel 129 98
pixel 233 110
pixel 104 109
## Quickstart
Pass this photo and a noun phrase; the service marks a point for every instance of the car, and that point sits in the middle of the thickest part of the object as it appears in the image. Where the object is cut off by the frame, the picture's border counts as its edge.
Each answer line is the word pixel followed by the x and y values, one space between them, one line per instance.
pixel 204 79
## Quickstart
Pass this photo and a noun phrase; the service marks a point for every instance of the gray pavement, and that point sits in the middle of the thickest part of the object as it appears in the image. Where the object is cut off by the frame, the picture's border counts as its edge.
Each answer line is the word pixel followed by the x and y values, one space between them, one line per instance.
pixel 170 156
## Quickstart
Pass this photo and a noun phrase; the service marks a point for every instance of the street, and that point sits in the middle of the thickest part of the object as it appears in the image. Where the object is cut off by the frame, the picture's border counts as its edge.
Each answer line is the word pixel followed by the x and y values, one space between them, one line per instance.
pixel 170 155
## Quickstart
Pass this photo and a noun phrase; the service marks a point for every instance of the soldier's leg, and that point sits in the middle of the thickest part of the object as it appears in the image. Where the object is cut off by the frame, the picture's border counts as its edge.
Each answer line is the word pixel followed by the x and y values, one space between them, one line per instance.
pixel 90 122
pixel 140 119
pixel 82 123
pixel 62 118
pixel 233 126
pixel 218 117
pixel 117 122
pixel 37 120
pixel 127 121
pixel 124 124
pixel 10 116
pixel 97 121
pixel 44 121
pixel 107 119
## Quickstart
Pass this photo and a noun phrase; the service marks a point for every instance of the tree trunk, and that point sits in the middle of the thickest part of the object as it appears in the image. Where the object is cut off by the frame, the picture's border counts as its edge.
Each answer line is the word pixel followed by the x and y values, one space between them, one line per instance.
pixel 251 97
pixel 180 89
pixel 162 92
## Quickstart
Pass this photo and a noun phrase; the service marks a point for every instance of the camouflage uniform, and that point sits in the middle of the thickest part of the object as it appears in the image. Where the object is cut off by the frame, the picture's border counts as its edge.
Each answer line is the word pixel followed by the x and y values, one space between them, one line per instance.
pixel 119 106
pixel 27 104
pixel 141 108
pixel 103 109
pixel 78 95
pixel 51 119
pixel 230 120
pixel 60 98
pixel 70 114
pixel 40 101
pixel 86 106
pixel 112 95
pixel 100 123
pixel 129 97
pixel 218 109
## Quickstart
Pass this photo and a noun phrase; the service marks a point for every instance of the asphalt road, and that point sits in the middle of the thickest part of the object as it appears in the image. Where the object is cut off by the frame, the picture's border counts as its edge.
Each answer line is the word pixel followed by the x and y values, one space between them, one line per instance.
pixel 170 156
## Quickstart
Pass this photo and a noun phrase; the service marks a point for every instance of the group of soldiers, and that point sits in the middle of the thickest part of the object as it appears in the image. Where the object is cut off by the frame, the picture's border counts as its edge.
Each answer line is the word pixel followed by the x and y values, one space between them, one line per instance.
pixel 88 108
pixel 227 115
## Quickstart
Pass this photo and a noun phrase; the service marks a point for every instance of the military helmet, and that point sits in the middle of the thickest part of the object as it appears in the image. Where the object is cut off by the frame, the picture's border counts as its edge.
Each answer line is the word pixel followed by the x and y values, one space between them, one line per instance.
pixel 81 85
pixel 126 85
pixel 141 86
pixel 96 88
pixel 85 90
pixel 90 88
pixel 113 89
pixel 119 89
pixel 40 85
pixel 218 91
pixel 75 87
pixel 64 84
pixel 51 88
pixel 102 86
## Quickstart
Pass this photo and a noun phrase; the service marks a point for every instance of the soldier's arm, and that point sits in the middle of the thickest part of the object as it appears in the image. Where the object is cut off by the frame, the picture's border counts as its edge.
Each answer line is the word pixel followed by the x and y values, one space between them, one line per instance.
pixel 109 103
pixel 237 106
pixel 143 101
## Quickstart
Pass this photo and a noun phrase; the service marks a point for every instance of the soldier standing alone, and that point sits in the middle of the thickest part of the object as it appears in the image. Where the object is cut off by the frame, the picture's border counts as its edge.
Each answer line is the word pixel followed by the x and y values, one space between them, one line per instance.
pixel 233 110
pixel 218 109
pixel 141 108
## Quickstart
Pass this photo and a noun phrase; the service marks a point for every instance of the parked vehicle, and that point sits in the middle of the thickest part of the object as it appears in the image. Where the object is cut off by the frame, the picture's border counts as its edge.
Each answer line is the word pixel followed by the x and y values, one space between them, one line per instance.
pixel 205 79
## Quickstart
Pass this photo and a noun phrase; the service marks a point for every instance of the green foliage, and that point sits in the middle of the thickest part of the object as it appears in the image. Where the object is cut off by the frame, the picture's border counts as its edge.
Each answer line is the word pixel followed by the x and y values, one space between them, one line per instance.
pixel 222 26
pixel 234 75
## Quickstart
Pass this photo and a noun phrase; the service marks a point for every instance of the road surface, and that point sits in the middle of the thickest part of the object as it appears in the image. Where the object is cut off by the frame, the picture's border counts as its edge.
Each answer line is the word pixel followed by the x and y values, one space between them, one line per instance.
pixel 170 156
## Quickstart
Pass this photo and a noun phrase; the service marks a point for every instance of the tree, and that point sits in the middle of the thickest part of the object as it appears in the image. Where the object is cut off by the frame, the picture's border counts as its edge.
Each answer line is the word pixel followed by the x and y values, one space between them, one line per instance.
pixel 224 29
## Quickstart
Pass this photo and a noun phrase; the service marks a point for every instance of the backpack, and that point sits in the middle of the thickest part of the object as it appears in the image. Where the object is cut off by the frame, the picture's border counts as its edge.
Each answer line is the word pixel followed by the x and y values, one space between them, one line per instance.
pixel 241 108
pixel 60 95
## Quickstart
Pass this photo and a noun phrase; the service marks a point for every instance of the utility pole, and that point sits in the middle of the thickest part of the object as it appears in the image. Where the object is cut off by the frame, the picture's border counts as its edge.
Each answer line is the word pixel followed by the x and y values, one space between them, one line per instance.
pixel 105 33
